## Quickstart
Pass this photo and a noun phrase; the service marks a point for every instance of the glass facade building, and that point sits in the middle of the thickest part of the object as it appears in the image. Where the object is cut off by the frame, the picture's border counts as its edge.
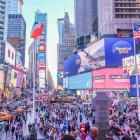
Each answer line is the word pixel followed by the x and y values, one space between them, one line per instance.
pixel 16 34
pixel 12 7
pixel 2 17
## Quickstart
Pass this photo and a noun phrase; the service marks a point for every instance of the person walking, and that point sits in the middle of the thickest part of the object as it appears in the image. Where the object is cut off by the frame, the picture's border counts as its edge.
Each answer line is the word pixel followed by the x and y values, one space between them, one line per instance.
pixel 7 128
pixel 13 130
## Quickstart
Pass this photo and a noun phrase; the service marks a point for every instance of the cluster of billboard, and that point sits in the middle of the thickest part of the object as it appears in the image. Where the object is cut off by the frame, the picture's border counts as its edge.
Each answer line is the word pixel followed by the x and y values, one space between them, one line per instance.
pixel 107 52
pixel 42 63
pixel 12 57
pixel 103 79
pixel 11 79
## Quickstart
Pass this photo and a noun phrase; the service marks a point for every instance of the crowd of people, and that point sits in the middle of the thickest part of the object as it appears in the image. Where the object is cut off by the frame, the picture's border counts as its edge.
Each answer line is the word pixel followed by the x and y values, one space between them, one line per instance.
pixel 75 121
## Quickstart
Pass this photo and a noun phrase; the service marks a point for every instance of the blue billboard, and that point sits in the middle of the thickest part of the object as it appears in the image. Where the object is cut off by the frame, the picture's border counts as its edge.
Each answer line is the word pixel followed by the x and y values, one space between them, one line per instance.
pixel 116 49
pixel 81 81
pixel 71 65
pixel 133 89
pixel 41 55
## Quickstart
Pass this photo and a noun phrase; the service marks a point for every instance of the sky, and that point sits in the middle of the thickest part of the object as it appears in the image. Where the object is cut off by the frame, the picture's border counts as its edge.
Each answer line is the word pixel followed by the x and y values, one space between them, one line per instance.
pixel 55 9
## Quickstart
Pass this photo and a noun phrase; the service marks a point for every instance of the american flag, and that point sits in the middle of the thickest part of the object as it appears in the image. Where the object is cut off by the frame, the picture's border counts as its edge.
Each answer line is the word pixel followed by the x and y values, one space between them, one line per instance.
pixel 136 29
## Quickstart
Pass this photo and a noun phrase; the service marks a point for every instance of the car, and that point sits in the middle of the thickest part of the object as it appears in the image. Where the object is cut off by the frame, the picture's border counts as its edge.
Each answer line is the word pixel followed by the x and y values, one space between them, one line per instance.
pixel 6 116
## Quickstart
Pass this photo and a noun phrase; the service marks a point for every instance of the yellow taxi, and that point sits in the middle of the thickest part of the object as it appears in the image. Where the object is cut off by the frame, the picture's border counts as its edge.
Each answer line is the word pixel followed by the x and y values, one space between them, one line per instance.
pixel 6 116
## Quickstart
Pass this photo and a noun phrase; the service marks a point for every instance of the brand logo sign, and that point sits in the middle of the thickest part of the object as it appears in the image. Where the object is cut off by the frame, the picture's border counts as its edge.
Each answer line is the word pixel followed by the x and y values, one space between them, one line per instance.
pixel 121 48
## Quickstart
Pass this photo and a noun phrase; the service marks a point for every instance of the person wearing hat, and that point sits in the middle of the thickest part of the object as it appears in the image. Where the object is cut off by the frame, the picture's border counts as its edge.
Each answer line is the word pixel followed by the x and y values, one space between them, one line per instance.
pixel 109 135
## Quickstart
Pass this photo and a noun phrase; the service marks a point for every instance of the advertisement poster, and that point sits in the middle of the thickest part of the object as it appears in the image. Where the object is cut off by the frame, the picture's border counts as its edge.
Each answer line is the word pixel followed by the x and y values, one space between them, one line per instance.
pixel 10 54
pixel 71 65
pixel 116 49
pixel 129 65
pixel 81 81
pixel 92 57
pixel 65 82
pixel 8 77
pixel 41 48
pixel 1 80
pixel 18 60
pixel 110 78
pixel 13 80
pixel 41 55
pixel 19 80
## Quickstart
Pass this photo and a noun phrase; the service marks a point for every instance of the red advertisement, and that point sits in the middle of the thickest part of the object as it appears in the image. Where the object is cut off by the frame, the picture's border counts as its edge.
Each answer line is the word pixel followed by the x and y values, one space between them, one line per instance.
pixel 41 48
pixel 110 78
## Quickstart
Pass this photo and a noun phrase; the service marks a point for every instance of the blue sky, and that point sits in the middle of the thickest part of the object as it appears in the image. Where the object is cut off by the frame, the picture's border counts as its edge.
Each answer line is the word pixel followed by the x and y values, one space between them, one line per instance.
pixel 55 10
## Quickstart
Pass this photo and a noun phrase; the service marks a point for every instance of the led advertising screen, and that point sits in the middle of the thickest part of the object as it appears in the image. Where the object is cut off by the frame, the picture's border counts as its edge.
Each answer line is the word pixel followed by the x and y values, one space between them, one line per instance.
pixel 41 48
pixel 10 54
pixel 92 57
pixel 19 80
pixel 110 78
pixel 65 82
pixel 1 80
pixel 116 49
pixel 129 65
pixel 41 55
pixel 81 81
pixel 133 90
pixel 8 77
pixel 71 65
pixel 41 62
pixel 13 79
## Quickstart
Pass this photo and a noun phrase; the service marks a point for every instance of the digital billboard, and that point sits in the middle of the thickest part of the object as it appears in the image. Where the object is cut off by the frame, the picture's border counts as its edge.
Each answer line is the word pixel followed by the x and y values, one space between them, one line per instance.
pixel 41 55
pixel 1 80
pixel 110 78
pixel 19 80
pixel 10 54
pixel 41 62
pixel 81 81
pixel 8 77
pixel 129 65
pixel 71 65
pixel 65 82
pixel 41 48
pixel 116 49
pixel 92 57
pixel 18 60
pixel 13 79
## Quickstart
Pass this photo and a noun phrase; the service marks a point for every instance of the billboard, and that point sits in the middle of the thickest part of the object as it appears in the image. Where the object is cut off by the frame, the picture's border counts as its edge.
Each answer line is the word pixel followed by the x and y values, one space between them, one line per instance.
pixel 81 81
pixel 1 80
pixel 13 79
pixel 92 57
pixel 116 49
pixel 19 79
pixel 10 54
pixel 8 77
pixel 41 62
pixel 71 65
pixel 41 48
pixel 129 65
pixel 18 60
pixel 133 89
pixel 110 78
pixel 41 55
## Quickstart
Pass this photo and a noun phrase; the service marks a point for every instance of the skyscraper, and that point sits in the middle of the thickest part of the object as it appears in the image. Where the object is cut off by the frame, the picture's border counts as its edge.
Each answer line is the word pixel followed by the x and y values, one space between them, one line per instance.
pixel 85 16
pixel 2 17
pixel 16 34
pixel 12 7
pixel 66 44
pixel 41 43
pixel 117 16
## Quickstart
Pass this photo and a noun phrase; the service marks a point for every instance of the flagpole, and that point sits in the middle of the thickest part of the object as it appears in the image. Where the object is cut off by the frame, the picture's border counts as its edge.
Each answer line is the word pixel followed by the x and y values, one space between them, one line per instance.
pixel 34 51
pixel 136 73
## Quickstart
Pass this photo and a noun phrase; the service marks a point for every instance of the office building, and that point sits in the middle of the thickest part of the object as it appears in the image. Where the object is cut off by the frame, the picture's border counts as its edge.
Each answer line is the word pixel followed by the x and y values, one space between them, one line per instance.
pixel 117 16
pixel 85 16
pixel 41 43
pixel 65 47
pixel 16 34
pixel 12 7
pixel 2 18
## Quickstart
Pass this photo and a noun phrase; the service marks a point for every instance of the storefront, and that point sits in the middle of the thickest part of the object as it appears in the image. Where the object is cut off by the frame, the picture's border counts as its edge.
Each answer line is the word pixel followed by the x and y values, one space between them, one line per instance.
pixel 110 80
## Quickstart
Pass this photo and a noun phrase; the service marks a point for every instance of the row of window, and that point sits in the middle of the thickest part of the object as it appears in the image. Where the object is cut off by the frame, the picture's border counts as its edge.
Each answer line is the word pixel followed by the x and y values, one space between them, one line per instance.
pixel 14 16
pixel 127 16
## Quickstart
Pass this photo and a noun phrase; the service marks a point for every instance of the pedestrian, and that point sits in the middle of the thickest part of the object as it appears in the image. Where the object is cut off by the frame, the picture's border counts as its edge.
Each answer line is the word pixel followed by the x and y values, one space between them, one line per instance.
pixel 68 137
pixel 126 137
pixel 93 133
pixel 109 135
pixel 16 134
pixel 29 127
pixel 20 134
pixel 13 130
pixel 7 128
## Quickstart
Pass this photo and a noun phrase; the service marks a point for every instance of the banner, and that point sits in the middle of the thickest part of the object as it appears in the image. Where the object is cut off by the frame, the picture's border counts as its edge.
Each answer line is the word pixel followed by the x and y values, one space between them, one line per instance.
pixel 1 80
pixel 13 80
